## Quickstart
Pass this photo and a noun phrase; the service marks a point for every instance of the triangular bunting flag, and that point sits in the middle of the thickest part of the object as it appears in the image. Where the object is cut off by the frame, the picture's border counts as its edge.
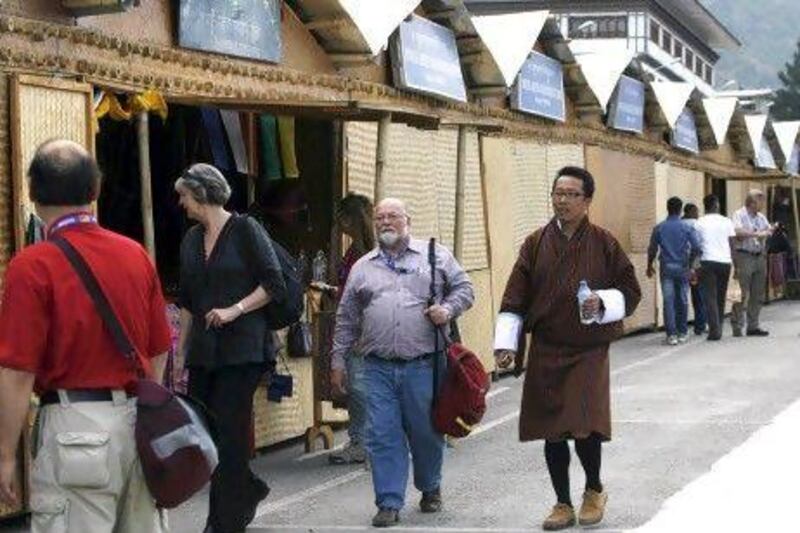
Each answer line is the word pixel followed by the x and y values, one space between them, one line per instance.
pixel 601 64
pixel 755 129
pixel 672 97
pixel 720 111
pixel 377 20
pixel 786 132
pixel 510 38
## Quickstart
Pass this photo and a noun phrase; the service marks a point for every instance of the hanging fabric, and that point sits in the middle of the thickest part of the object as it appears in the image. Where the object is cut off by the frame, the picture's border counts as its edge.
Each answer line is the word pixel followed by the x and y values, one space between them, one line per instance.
pixel 270 156
pixel 217 139
pixel 233 127
pixel 286 132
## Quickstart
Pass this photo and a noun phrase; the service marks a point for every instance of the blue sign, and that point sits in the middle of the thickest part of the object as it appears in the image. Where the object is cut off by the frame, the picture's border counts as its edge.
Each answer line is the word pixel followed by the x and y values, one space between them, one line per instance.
pixel 425 59
pixel 243 28
pixel 764 157
pixel 627 109
pixel 540 88
pixel 793 164
pixel 684 134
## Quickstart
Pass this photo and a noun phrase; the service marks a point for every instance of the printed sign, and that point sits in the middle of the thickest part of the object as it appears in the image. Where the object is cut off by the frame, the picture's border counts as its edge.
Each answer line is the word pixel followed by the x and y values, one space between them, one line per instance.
pixel 684 134
pixel 243 28
pixel 627 108
pixel 764 158
pixel 540 88
pixel 425 59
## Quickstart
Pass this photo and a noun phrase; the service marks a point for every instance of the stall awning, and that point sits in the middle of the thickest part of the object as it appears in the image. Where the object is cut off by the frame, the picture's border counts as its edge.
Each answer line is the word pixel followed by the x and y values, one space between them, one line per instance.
pixel 509 38
pixel 376 21
pixel 602 62
pixel 672 97
pixel 720 111
pixel 787 133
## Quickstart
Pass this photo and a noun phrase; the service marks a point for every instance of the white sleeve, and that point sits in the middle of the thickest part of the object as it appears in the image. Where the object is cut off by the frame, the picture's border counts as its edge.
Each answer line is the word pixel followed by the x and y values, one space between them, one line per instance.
pixel 732 230
pixel 614 302
pixel 506 331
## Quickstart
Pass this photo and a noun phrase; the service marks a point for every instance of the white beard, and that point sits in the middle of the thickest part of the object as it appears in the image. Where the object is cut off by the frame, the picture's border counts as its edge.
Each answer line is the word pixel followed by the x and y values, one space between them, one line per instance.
pixel 389 238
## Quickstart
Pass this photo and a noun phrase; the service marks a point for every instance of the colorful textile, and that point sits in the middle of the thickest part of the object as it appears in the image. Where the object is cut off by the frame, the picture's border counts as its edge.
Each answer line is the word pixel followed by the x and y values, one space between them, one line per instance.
pixel 233 127
pixel 217 139
pixel 270 156
pixel 286 131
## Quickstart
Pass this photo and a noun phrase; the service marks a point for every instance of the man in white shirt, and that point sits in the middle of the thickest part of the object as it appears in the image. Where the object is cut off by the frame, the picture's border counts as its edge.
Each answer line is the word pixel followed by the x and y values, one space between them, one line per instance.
pixel 750 262
pixel 715 263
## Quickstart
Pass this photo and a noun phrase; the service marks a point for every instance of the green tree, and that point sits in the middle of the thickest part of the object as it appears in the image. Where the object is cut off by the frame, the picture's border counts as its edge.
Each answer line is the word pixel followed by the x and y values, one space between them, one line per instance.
pixel 787 101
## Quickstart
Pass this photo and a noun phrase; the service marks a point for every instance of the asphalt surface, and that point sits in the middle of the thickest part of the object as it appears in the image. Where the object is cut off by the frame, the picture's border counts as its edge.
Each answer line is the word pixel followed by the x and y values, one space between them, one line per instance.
pixel 675 412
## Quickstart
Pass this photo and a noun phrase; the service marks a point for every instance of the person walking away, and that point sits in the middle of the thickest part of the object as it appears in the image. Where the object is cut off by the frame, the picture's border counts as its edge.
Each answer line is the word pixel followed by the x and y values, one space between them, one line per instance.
pixel 750 264
pixel 716 232
pixel 690 215
pixel 676 244
pixel 354 219
pixel 86 474
pixel 384 311
pixel 566 394
pixel 229 271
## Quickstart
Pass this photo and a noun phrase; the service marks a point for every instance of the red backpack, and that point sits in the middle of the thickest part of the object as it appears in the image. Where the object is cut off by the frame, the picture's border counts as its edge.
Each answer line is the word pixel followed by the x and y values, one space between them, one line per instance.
pixel 461 400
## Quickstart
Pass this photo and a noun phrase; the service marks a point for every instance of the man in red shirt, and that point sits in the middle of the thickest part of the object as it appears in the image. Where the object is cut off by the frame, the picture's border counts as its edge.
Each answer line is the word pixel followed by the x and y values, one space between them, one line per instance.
pixel 86 474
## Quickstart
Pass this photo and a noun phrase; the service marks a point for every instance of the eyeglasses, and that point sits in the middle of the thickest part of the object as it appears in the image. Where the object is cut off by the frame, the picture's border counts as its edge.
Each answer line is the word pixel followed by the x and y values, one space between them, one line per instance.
pixel 388 217
pixel 565 195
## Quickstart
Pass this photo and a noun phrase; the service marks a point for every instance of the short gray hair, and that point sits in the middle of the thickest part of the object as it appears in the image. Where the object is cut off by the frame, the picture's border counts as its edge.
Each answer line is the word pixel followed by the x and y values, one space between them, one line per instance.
pixel 205 183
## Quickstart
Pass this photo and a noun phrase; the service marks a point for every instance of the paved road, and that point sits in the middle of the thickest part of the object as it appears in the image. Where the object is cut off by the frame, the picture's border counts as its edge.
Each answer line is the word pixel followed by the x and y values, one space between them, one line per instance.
pixel 676 412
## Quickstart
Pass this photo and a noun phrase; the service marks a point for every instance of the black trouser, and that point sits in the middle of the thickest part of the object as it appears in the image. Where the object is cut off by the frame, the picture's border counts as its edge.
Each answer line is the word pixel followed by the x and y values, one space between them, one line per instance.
pixel 714 279
pixel 557 456
pixel 228 393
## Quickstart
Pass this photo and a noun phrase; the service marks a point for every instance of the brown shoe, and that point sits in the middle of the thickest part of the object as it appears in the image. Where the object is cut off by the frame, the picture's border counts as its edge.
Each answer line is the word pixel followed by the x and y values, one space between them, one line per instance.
pixel 386 518
pixel 593 507
pixel 561 517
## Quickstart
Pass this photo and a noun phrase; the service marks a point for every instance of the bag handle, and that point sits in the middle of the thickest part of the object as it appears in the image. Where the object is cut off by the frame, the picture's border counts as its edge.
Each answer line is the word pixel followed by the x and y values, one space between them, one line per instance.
pixel 101 303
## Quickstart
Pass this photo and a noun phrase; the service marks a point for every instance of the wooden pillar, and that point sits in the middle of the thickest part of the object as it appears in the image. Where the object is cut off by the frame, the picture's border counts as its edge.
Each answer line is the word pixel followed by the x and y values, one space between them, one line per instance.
pixel 461 179
pixel 143 137
pixel 380 157
pixel 796 215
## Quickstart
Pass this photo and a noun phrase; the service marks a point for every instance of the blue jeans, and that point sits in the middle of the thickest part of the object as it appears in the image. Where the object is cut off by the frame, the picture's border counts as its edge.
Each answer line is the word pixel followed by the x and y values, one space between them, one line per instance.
pixel 356 399
pixel 699 306
pixel 674 290
pixel 399 418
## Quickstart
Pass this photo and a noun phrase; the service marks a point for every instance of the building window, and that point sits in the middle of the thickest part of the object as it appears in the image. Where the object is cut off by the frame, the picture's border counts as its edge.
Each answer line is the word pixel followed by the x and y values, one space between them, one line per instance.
pixel 708 75
pixel 666 41
pixel 609 27
pixel 689 62
pixel 699 67
pixel 678 50
pixel 655 32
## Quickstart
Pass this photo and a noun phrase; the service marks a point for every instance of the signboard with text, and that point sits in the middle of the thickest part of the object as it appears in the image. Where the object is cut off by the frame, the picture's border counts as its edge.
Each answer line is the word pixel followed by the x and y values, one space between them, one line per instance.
pixel 684 134
pixel 242 28
pixel 626 112
pixel 540 88
pixel 425 59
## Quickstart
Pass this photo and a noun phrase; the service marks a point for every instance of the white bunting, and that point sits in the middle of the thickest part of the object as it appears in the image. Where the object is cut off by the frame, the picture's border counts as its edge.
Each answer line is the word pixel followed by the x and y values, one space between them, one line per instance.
pixel 720 111
pixel 377 20
pixel 786 132
pixel 510 38
pixel 755 129
pixel 602 62
pixel 672 97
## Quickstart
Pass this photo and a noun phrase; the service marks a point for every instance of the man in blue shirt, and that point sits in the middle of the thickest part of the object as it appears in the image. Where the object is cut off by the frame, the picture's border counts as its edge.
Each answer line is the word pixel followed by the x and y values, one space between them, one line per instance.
pixel 675 243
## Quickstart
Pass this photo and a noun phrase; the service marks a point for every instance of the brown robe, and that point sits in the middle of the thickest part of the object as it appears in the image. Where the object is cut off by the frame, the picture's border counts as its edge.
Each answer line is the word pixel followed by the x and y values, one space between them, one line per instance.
pixel 566 392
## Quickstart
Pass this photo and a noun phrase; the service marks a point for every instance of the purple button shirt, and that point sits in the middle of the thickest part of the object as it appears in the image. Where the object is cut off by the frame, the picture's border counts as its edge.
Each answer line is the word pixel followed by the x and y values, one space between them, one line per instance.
pixel 383 304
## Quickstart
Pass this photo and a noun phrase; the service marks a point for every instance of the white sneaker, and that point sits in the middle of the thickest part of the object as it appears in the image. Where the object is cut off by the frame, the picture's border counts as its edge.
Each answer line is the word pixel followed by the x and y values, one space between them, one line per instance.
pixel 683 339
pixel 672 340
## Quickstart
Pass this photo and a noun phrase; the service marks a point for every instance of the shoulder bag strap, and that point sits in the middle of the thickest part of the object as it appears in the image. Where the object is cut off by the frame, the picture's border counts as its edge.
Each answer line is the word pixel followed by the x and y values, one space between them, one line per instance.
pixel 436 331
pixel 101 303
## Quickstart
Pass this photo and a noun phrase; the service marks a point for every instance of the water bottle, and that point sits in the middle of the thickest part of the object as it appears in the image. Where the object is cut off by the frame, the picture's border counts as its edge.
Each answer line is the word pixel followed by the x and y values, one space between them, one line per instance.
pixel 584 292
pixel 319 267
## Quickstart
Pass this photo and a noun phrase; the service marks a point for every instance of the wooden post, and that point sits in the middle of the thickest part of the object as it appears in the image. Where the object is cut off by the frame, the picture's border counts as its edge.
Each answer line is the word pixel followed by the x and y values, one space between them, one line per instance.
pixel 143 137
pixel 796 211
pixel 380 157
pixel 461 179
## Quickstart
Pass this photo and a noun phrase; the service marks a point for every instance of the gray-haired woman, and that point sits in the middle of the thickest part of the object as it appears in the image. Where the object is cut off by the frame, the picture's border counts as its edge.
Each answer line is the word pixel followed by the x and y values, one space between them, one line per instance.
pixel 228 271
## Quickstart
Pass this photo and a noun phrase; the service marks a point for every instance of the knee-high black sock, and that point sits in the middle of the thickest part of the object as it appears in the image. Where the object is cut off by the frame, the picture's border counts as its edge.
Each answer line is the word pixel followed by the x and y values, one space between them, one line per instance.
pixel 589 452
pixel 557 456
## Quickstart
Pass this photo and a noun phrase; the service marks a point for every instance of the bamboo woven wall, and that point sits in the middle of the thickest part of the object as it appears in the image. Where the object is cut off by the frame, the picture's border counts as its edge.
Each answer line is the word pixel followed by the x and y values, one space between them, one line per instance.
pixel 477 324
pixel 276 422
pixel 6 205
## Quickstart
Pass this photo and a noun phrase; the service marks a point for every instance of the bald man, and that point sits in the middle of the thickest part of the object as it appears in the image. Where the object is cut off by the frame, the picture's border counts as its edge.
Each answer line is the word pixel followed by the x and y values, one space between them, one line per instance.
pixel 384 311
pixel 86 474
pixel 750 264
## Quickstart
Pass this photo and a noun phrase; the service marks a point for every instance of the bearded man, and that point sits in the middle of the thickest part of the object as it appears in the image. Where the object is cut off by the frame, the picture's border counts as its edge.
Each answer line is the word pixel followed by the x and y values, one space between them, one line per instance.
pixel 566 391
pixel 384 311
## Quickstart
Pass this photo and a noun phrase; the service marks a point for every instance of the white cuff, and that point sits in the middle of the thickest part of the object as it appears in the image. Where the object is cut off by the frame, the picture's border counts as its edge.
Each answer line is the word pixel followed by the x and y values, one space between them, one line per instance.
pixel 614 303
pixel 506 331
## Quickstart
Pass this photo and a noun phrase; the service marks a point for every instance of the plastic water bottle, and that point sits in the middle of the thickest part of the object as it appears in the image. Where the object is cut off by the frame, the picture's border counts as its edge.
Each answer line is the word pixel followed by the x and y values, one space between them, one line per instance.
pixel 319 267
pixel 584 292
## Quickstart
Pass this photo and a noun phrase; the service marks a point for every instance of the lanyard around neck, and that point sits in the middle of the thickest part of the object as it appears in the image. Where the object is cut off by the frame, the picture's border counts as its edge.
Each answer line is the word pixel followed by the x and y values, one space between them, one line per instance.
pixel 71 220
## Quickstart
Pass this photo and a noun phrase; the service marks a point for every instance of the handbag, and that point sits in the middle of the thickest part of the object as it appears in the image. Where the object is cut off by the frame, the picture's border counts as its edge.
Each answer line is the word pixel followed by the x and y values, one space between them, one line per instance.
pixel 298 340
pixel 280 385
pixel 173 432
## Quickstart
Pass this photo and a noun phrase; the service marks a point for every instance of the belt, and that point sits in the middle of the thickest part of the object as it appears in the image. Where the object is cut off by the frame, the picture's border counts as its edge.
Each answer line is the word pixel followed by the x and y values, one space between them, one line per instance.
pixel 748 252
pixel 402 360
pixel 79 395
